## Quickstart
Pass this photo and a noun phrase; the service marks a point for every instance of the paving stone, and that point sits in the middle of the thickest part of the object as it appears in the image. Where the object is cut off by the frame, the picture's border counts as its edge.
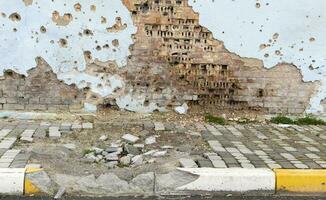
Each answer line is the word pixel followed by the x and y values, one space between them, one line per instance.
pixel 287 165
pixel 312 156
pixel 159 126
pixel 15 132
pixel 274 166
pixel 234 131
pixel 290 149
pixel 232 150
pixel 213 130
pixel 218 164
pixel 312 165
pixel 301 166
pixel 247 165
pixel 313 149
pixel 7 143
pixel 40 133
pixel 204 163
pixel 26 139
pixel 4 133
pixel 65 126
pixel 187 163
pixel 28 133
pixel 87 125
pixel 76 126
pixel 216 146
pixel 54 132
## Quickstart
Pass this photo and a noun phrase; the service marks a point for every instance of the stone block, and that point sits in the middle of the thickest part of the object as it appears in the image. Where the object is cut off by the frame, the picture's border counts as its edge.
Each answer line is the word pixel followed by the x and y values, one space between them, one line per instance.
pixel 13 107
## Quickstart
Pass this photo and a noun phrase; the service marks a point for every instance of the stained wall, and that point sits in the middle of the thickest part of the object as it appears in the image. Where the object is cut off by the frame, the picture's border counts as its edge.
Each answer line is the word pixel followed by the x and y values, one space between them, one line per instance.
pixel 153 55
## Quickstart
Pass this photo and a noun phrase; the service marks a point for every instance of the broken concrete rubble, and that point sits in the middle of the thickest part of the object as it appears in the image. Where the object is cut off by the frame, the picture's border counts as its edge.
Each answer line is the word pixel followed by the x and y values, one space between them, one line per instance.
pixel 130 138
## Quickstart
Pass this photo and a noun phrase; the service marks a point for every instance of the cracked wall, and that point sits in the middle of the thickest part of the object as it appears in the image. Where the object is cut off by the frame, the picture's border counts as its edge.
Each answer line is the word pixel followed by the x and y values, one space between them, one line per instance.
pixel 149 55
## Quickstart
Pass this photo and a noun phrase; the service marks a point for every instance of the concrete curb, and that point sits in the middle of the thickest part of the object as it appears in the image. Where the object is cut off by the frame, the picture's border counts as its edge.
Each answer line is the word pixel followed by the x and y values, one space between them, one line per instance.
pixel 247 180
pixel 12 181
pixel 21 181
pixel 300 181
pixel 231 180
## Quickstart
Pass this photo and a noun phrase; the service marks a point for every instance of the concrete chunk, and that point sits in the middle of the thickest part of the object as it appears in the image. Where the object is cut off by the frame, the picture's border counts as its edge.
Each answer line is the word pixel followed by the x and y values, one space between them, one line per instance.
pixel 130 138
pixel 187 163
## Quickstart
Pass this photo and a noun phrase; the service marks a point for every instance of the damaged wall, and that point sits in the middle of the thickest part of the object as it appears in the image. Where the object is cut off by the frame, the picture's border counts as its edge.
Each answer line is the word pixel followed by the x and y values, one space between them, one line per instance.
pixel 148 55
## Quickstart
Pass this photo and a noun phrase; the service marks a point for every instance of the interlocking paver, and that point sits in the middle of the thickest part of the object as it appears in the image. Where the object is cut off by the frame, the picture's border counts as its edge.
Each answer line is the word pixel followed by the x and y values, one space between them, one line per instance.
pixel 216 146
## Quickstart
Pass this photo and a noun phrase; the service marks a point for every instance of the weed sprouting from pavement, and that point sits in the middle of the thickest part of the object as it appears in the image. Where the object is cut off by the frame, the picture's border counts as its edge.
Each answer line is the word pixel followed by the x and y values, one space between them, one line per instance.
pixel 282 120
pixel 307 120
pixel 216 120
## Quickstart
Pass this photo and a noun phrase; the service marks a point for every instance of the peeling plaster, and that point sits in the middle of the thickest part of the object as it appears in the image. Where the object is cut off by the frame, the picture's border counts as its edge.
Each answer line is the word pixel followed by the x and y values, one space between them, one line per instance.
pixel 291 31
pixel 60 32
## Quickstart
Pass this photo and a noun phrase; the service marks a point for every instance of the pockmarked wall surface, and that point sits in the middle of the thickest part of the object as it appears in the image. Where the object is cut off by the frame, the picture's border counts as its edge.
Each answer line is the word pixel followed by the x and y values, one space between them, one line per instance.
pixel 149 55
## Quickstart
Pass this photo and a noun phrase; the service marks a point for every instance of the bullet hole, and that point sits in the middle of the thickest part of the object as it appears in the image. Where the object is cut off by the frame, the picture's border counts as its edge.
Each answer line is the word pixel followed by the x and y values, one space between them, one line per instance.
pixel 88 55
pixel 77 7
pixel 262 46
pixel 146 103
pixel 106 46
pixel 275 36
pixel 260 93
pixel 63 43
pixel 115 42
pixel 14 29
pixel 98 48
pixel 15 17
pixel 258 5
pixel 266 55
pixel 103 20
pixel 278 52
pixel 43 29
pixel 312 39
pixel 93 8
pixel 118 26
pixel 3 15
pixel 61 20
pixel 88 32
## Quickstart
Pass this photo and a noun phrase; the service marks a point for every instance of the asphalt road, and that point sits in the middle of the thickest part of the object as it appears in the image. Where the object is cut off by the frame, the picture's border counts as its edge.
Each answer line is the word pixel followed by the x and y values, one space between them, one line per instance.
pixel 174 198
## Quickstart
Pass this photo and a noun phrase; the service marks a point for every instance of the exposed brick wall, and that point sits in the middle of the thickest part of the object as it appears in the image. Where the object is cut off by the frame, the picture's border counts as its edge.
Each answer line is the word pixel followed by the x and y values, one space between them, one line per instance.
pixel 40 90
pixel 200 70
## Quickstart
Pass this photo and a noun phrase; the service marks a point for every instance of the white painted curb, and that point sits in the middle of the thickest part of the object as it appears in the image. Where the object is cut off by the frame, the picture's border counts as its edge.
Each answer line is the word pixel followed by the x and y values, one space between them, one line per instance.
pixel 12 181
pixel 230 180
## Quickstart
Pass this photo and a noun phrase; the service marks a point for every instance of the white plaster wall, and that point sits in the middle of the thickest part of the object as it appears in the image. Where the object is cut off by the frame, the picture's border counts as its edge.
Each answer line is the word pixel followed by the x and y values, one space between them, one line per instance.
pixel 299 24
pixel 19 49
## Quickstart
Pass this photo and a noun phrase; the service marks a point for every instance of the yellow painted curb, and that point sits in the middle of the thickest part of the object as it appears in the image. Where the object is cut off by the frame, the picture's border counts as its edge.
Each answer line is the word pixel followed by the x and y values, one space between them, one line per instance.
pixel 29 187
pixel 296 180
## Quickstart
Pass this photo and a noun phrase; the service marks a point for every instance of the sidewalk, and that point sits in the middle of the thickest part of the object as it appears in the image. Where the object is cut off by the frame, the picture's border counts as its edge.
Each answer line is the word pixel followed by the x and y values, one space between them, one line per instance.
pixel 165 158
